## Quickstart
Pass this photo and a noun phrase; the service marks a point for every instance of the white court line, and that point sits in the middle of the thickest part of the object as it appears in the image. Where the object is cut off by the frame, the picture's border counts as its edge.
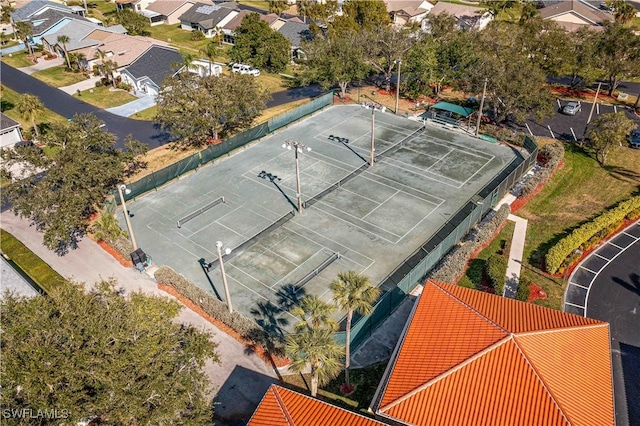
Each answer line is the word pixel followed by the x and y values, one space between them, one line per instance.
pixel 466 149
pixel 340 123
pixel 405 186
pixel 602 257
pixel 362 150
pixel 358 226
pixel 422 220
pixel 335 242
pixel 380 204
pixel 406 148
pixel 421 172
pixel 478 171
pixel 587 269
pixel 578 285
pixel 384 125
pixel 577 306
pixel 212 222
pixel 250 276
pixel 390 162
pixel 440 159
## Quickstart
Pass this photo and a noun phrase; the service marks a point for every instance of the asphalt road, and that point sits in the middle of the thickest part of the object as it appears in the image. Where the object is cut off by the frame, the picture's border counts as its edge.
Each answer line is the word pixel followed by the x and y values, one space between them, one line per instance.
pixel 615 297
pixel 66 105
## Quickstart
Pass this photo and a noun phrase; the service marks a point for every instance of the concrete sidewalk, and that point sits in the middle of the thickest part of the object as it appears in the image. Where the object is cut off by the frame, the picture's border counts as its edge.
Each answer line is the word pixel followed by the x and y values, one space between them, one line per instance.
pixel 514 265
pixel 128 109
pixel 238 382
pixel 87 84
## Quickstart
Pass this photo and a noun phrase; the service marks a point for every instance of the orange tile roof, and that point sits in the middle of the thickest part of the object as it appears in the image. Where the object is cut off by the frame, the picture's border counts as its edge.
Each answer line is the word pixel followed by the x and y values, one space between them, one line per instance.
pixel 472 358
pixel 284 407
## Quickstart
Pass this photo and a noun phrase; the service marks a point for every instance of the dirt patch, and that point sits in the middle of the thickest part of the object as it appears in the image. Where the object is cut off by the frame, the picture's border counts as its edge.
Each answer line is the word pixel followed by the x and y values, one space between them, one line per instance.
pixel 160 157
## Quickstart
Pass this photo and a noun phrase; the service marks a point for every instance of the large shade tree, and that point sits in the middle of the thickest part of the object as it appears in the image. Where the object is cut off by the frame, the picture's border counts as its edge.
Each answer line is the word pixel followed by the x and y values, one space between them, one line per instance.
pixel 353 292
pixel 198 110
pixel 60 192
pixel 618 51
pixel 608 132
pixel 385 46
pixel 257 44
pixel 100 355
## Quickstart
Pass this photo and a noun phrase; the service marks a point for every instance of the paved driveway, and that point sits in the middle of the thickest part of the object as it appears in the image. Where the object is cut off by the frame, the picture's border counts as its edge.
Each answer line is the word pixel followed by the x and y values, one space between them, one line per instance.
pixel 606 286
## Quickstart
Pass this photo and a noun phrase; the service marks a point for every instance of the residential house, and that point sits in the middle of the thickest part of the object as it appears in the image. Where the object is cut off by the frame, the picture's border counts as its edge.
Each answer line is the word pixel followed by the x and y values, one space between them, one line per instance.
pixel 10 132
pixel 208 18
pixel 169 11
pixel 34 8
pixel 229 29
pixel 296 32
pixel 407 12
pixel 204 68
pixel 469 17
pixel 122 49
pixel 49 21
pixel 473 358
pixel 573 15
pixel 135 5
pixel 147 73
pixel 79 33
pixel 281 406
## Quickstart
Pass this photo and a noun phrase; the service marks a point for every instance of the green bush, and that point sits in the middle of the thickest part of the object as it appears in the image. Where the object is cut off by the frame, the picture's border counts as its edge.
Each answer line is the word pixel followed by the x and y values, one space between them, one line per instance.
pixel 244 326
pixel 32 265
pixel 589 234
pixel 497 272
pixel 197 35
pixel 524 286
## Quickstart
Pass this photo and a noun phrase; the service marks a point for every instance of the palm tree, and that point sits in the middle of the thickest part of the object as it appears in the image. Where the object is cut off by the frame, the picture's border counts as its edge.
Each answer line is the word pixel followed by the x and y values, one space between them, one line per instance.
pixel 106 227
pixel 315 349
pixel 353 292
pixel 109 67
pixel 26 31
pixel 314 314
pixel 210 52
pixel 29 107
pixel 277 6
pixel 64 40
pixel 623 11
pixel 303 6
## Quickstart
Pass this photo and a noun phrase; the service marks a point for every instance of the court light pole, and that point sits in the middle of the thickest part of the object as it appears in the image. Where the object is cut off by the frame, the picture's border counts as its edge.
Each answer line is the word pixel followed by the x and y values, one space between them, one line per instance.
pixel 123 187
pixel 223 274
pixel 397 62
pixel 484 92
pixel 297 149
pixel 373 137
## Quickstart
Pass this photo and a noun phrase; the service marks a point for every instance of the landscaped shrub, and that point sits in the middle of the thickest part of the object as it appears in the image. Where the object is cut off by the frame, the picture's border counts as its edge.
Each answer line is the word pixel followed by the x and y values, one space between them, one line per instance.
pixel 497 272
pixel 454 263
pixel 197 35
pixel 589 234
pixel 524 289
pixel 549 157
pixel 246 328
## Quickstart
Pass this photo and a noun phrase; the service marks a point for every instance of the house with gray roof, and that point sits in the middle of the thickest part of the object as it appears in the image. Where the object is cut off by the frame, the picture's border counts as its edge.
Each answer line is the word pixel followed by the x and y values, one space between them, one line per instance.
pixel 78 33
pixel 147 73
pixel 168 11
pixel 208 17
pixel 9 131
pixel 573 15
pixel 296 33
pixel 34 8
pixel 51 21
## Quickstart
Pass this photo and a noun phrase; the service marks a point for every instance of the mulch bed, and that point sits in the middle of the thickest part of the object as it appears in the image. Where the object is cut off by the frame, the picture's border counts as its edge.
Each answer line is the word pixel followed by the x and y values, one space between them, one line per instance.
pixel 115 254
pixel 573 93
pixel 279 362
pixel 536 293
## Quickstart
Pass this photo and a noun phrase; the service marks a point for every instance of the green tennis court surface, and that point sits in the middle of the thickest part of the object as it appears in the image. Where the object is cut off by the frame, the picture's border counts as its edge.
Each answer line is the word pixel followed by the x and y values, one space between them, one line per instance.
pixel 370 222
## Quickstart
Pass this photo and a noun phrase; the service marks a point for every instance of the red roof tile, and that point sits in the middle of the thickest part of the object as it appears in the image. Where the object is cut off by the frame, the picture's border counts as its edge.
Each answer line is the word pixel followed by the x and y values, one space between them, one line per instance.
pixel 472 358
pixel 284 407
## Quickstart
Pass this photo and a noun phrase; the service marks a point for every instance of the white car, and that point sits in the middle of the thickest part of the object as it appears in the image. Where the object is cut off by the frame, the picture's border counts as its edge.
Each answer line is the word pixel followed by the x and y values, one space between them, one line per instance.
pixel 245 69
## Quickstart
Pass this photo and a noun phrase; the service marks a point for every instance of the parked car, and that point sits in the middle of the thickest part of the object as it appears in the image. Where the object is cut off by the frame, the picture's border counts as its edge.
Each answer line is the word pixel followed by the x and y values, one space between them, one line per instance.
pixel 572 108
pixel 245 69
pixel 634 139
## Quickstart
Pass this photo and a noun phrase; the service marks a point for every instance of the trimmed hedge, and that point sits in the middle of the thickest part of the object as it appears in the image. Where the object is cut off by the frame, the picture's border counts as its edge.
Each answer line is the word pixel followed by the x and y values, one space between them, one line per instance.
pixel 30 263
pixel 524 289
pixel 588 235
pixel 453 265
pixel 248 329
pixel 496 272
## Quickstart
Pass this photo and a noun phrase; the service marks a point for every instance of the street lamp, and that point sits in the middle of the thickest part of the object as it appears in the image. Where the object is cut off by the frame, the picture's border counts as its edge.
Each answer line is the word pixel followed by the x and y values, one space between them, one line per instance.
pixel 398 62
pixel 373 137
pixel 123 187
pixel 224 276
pixel 297 149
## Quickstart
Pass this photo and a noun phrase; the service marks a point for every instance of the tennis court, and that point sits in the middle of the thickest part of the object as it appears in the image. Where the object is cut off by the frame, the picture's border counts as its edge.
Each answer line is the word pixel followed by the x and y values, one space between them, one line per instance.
pixel 368 219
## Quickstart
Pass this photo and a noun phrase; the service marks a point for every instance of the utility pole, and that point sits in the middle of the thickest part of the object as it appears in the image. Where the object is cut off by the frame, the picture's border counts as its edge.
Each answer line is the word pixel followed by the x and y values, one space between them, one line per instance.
pixel 399 62
pixel 484 91
pixel 593 105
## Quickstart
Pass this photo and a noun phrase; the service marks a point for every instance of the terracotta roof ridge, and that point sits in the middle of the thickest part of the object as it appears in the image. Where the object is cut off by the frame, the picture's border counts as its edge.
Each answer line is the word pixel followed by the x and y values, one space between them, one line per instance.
pixel 283 407
pixel 471 308
pixel 561 329
pixel 542 382
pixel 448 372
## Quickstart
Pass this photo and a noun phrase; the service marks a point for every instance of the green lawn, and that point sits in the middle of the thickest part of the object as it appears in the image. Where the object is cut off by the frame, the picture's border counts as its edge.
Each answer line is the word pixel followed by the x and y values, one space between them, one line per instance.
pixel 104 97
pixel 17 60
pixel 500 245
pixel 578 191
pixel 178 37
pixel 58 76
pixel 32 265
pixel 9 101
pixel 146 114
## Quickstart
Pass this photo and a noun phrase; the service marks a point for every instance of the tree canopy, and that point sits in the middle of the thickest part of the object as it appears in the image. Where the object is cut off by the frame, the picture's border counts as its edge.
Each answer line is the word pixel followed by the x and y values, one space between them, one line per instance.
pixel 200 109
pixel 98 354
pixel 618 51
pixel 134 23
pixel 608 132
pixel 59 192
pixel 257 44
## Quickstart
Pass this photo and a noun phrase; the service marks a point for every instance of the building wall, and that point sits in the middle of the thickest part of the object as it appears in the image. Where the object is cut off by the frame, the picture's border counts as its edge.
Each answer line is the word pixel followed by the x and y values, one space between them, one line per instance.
pixel 570 17
pixel 9 137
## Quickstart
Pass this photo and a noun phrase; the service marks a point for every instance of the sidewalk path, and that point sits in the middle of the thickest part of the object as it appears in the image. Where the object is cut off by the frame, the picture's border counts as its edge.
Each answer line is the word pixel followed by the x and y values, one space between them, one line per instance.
pixel 515 256
pixel 240 380
pixel 42 64
pixel 128 109
pixel 87 84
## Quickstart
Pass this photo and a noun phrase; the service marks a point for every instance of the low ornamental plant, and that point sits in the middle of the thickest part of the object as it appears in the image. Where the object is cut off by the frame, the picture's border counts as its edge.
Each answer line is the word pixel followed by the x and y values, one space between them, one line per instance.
pixel 496 272
pixel 589 234
pixel 549 157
